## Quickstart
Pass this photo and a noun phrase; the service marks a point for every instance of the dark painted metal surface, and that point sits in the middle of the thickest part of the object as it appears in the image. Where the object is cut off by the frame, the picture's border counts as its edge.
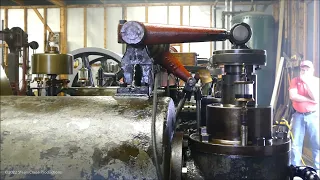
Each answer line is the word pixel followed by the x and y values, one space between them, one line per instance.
pixel 233 167
pixel 204 102
pixel 223 123
pixel 133 32
pixel 239 57
pixel 82 137
pixel 217 161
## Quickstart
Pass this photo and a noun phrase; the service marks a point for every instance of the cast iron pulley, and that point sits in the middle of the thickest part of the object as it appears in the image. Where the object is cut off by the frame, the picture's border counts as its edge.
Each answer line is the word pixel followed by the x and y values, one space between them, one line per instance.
pixel 176 161
pixel 90 56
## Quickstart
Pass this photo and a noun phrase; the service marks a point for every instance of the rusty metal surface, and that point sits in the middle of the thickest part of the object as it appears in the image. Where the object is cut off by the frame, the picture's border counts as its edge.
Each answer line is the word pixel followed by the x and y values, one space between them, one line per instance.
pixel 187 59
pixel 173 65
pixel 133 32
pixel 82 137
pixel 4 84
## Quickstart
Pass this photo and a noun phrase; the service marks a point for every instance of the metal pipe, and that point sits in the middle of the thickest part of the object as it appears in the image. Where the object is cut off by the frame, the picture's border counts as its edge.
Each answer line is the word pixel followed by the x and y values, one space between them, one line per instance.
pixel 180 105
pixel 133 32
pixel 198 109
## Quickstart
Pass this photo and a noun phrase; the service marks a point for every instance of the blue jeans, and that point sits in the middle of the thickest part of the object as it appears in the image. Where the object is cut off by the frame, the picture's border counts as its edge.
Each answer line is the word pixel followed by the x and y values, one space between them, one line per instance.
pixel 305 125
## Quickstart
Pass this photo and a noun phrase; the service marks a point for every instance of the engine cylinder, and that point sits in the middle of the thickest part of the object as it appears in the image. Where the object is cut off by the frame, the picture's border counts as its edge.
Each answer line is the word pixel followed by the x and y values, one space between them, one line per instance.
pixel 83 137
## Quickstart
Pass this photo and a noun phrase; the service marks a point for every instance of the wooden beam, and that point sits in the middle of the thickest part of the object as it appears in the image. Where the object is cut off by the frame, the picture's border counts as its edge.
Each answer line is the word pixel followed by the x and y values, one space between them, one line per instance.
pixel 292 28
pixel 25 16
pixel 146 13
pixel 19 2
pixel 42 19
pixel 300 32
pixel 316 36
pixel 63 30
pixel 5 18
pixel 85 27
pixel 63 35
pixel 105 27
pixel 168 14
pixel 136 4
pixel 276 12
pixel 45 29
pixel 280 33
pixel 58 2
pixel 305 31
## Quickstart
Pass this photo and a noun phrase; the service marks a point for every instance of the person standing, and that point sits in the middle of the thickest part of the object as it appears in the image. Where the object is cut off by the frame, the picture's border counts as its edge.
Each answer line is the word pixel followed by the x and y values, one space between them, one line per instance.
pixel 304 94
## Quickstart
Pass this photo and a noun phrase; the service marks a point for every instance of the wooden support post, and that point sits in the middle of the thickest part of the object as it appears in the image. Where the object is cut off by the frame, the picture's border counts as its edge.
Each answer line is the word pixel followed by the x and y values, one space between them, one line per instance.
pixel 105 27
pixel 305 31
pixel 280 33
pixel 168 14
pixel 42 19
pixel 146 14
pixel 63 30
pixel 276 12
pixel 181 23
pixel 25 16
pixel 316 36
pixel 84 27
pixel 63 35
pixel 292 27
pixel 45 29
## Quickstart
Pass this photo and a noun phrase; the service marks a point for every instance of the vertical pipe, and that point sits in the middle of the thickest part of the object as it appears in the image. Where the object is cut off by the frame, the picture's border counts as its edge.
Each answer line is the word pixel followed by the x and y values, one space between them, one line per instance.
pixel 45 29
pixel 215 25
pixel 229 22
pixel 85 27
pixel 25 16
pixel 105 27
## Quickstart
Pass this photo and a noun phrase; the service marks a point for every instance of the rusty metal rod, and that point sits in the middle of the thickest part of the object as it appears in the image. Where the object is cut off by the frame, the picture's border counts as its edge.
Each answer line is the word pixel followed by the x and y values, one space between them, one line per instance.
pixel 133 32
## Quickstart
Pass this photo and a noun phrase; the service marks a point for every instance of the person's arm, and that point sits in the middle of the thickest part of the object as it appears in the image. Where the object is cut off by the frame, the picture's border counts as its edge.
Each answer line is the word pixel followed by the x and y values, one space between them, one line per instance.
pixel 313 89
pixel 294 95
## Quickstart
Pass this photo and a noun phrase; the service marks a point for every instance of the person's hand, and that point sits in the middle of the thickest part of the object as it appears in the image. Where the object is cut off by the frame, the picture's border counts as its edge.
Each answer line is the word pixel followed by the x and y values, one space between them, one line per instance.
pixel 307 79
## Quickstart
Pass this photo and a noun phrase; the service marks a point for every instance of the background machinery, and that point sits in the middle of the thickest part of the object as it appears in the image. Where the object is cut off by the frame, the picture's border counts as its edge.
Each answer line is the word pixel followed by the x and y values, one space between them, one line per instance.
pixel 140 132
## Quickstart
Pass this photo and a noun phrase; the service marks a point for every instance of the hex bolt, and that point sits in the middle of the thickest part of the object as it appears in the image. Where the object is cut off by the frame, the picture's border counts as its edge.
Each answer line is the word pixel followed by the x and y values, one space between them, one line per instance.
pixel 203 130
pixel 184 170
pixel 204 137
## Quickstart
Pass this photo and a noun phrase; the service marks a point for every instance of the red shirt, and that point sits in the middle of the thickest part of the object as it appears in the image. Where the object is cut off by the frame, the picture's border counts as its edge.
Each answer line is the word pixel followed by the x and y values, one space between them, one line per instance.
pixel 301 107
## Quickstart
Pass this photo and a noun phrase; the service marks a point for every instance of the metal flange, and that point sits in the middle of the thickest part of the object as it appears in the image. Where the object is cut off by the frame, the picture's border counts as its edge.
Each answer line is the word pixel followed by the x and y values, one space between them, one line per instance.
pixel 240 57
